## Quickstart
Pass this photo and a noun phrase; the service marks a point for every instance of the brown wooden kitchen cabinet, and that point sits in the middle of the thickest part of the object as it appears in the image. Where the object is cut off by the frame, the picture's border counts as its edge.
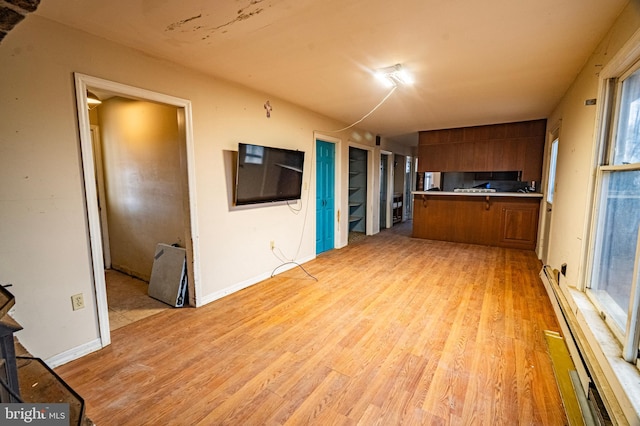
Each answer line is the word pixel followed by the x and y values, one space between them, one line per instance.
pixel 502 221
pixel 518 224
pixel 497 147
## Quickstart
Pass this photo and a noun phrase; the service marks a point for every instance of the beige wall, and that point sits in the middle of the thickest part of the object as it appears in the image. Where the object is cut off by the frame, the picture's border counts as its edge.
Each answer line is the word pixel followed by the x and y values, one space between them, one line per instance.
pixel 44 243
pixel 142 156
pixel 577 123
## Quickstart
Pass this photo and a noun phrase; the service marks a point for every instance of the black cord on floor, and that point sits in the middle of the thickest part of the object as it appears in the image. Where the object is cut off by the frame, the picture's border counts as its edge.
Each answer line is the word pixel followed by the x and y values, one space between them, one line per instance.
pixel 292 263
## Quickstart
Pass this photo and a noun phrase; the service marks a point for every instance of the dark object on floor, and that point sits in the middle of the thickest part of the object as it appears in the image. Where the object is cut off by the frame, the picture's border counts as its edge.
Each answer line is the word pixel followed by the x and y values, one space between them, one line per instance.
pixel 168 281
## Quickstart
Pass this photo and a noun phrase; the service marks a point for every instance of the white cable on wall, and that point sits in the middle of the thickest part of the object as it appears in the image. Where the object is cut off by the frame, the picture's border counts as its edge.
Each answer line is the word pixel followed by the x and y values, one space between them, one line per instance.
pixel 393 89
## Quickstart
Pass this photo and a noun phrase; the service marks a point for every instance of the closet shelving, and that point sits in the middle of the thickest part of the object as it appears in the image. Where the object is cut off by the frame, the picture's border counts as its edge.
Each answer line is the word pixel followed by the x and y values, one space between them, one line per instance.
pixel 357 189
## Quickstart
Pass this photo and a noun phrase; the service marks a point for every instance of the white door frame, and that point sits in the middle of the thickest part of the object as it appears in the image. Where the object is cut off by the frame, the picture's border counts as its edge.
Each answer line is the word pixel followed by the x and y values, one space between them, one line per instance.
pixel 82 83
pixel 102 198
pixel 546 210
pixel 371 193
pixel 390 173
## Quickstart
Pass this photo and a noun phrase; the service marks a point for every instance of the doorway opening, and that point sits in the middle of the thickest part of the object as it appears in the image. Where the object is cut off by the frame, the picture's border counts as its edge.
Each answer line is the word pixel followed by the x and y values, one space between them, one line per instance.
pixel 409 186
pixel 384 190
pixel 548 202
pixel 138 170
pixel 400 186
pixel 127 279
pixel 358 159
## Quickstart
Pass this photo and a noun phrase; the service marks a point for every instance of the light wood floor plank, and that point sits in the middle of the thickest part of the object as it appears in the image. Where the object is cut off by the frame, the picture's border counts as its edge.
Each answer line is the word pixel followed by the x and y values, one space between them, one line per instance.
pixel 395 331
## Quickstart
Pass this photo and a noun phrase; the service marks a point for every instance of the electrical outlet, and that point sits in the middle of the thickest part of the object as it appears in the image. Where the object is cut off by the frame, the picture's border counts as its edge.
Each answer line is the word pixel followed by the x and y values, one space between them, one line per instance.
pixel 77 301
pixel 272 244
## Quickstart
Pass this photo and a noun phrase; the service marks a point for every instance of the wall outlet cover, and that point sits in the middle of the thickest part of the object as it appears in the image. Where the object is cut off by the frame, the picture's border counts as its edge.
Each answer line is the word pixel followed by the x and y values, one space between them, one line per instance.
pixel 77 301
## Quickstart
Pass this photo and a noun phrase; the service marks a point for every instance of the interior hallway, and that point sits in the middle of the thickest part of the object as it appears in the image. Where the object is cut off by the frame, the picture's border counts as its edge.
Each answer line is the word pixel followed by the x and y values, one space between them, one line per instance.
pixel 394 330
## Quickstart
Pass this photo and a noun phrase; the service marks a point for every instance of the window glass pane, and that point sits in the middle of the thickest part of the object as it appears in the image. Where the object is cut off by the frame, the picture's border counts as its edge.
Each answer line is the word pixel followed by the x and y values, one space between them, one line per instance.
pixel 616 242
pixel 428 180
pixel 553 160
pixel 627 145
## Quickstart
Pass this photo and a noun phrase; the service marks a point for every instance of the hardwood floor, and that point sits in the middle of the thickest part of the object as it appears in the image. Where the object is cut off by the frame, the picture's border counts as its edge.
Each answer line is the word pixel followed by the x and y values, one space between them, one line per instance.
pixel 395 331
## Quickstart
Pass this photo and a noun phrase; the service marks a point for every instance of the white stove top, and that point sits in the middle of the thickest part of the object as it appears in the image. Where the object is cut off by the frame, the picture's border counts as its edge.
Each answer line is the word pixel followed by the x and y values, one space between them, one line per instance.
pixel 474 190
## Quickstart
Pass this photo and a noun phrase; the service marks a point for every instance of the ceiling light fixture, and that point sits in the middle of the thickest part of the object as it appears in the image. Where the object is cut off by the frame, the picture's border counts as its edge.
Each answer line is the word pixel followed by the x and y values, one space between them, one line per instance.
pixel 394 76
pixel 92 99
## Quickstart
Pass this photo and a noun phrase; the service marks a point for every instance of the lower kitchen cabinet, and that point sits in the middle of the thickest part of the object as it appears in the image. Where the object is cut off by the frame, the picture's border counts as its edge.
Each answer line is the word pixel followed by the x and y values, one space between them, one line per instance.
pixel 503 221
pixel 519 225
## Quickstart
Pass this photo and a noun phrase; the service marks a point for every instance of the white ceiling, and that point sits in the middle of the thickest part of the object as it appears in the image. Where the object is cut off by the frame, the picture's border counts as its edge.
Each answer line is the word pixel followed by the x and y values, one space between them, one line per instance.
pixel 474 62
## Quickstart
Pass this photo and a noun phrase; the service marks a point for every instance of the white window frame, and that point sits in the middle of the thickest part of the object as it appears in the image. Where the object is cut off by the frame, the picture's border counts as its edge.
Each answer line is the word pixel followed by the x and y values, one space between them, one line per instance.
pixel 612 90
pixel 618 381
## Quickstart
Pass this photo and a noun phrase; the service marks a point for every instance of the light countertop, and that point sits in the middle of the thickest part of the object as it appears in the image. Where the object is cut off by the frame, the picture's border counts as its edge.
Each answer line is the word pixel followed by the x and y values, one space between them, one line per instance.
pixel 480 194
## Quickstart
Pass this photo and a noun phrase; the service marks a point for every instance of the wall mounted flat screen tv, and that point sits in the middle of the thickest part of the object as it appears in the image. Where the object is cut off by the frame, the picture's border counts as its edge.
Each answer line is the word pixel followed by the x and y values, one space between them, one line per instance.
pixel 266 174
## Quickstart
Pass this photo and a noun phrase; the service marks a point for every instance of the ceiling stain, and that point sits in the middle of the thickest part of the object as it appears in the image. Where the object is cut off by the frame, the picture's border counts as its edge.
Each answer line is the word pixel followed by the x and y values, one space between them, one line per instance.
pixel 179 24
pixel 242 14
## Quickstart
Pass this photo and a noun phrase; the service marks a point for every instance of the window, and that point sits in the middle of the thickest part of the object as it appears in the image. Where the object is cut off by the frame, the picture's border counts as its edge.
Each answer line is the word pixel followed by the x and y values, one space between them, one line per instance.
pixel 553 160
pixel 627 144
pixel 613 277
pixel 428 181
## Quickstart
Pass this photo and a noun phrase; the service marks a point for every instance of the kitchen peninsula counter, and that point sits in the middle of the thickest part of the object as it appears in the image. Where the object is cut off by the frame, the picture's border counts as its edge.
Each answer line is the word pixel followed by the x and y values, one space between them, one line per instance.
pixel 480 194
pixel 502 219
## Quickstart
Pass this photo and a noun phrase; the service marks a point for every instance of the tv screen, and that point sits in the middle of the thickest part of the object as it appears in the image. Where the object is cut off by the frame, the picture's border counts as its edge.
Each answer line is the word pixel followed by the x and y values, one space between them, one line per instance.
pixel 268 174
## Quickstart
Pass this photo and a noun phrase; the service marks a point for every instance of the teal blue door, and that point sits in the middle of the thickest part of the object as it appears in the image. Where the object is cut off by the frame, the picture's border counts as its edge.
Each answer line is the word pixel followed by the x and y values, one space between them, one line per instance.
pixel 325 175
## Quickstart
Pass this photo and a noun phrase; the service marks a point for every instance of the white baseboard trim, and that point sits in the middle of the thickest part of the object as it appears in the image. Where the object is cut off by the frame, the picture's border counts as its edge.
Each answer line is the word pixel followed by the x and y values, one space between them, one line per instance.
pixel 95 345
pixel 74 353
pixel 248 283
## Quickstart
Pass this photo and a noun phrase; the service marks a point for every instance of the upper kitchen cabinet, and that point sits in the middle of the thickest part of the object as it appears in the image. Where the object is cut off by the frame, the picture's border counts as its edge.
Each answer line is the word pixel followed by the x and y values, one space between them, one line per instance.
pixel 496 147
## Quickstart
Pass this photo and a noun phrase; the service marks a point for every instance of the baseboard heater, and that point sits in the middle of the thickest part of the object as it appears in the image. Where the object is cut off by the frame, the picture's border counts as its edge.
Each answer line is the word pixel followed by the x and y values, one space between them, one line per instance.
pixel 581 399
